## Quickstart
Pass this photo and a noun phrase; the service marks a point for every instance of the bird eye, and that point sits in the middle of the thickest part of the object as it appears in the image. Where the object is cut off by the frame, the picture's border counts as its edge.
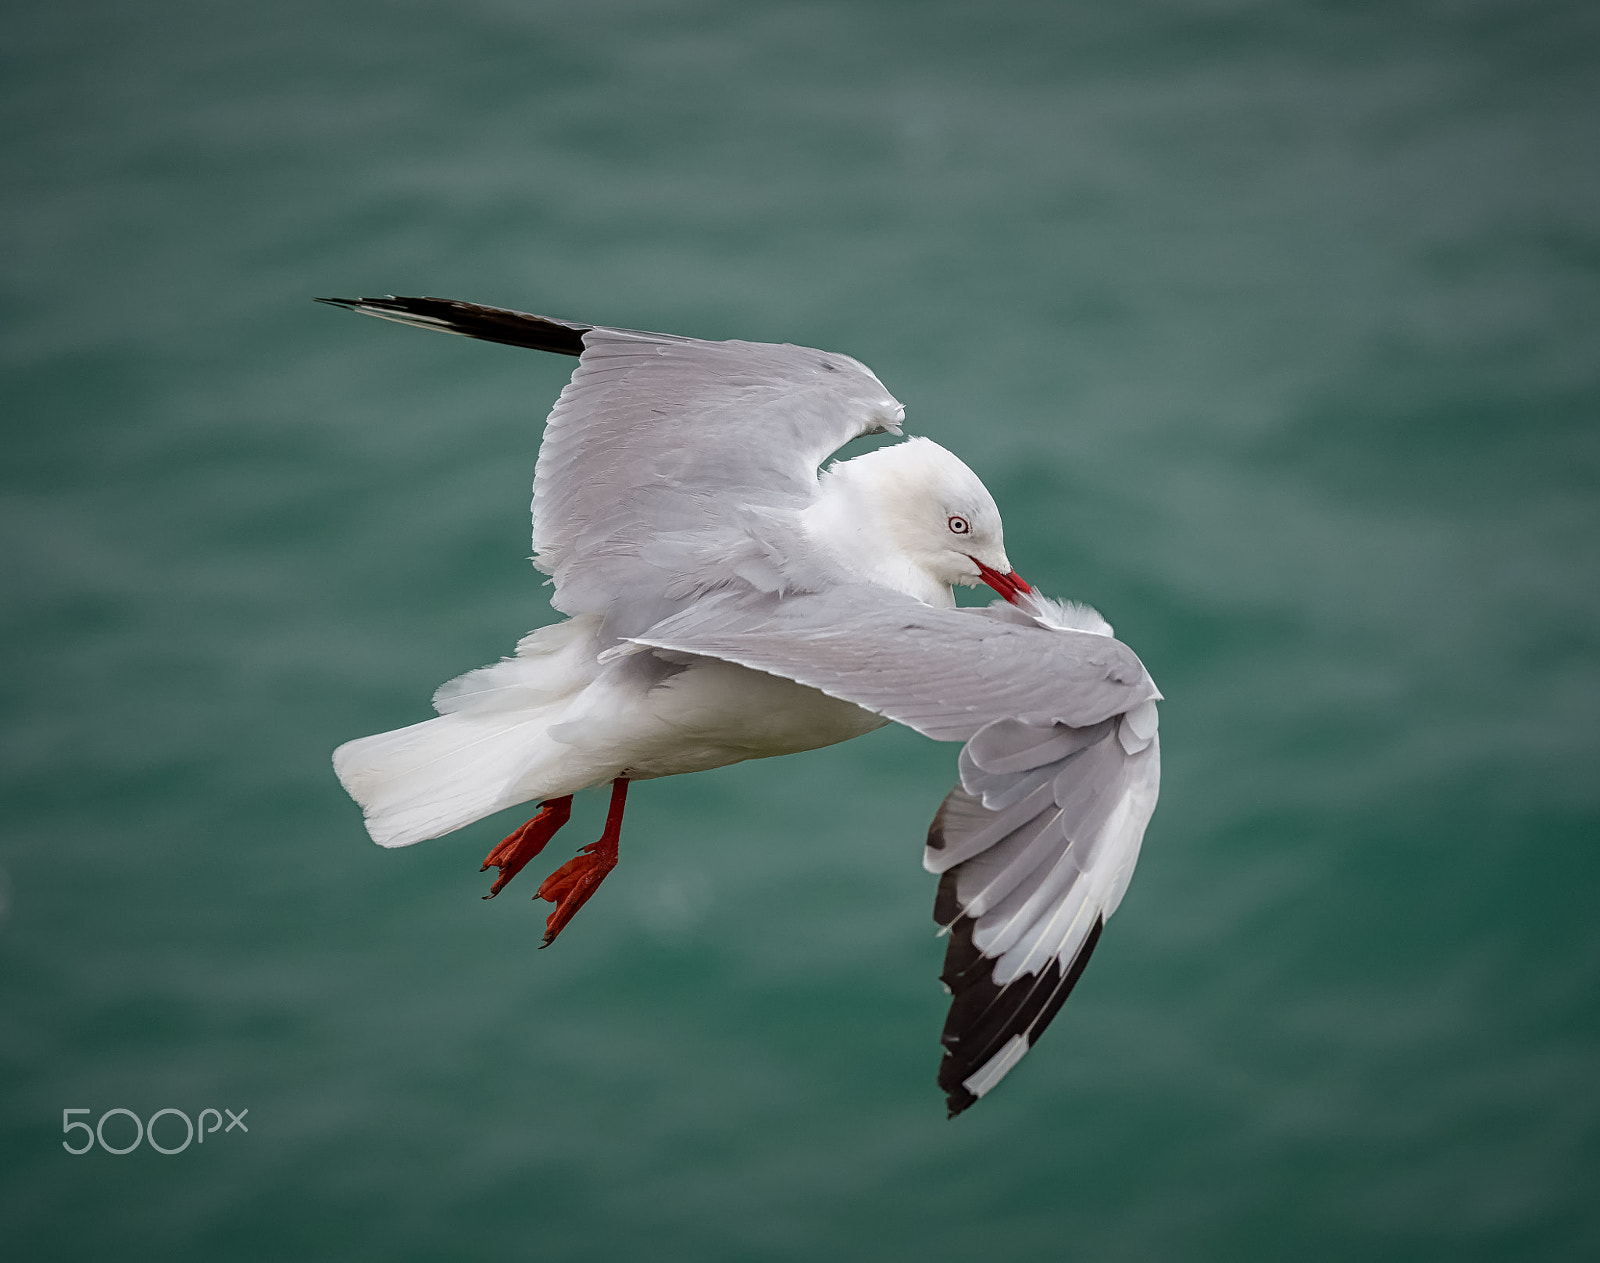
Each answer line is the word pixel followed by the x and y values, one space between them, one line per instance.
pixel 958 525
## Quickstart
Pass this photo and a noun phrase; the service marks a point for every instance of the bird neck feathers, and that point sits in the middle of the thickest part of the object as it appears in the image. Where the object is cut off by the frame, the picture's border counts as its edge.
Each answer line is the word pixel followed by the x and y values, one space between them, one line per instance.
pixel 872 515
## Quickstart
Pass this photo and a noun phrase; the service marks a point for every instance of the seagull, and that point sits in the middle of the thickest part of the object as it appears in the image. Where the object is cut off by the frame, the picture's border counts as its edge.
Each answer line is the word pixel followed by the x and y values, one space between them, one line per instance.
pixel 726 599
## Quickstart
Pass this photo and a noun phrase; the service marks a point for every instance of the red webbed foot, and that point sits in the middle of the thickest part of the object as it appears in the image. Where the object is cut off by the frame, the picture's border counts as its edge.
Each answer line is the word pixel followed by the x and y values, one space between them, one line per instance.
pixel 570 886
pixel 522 845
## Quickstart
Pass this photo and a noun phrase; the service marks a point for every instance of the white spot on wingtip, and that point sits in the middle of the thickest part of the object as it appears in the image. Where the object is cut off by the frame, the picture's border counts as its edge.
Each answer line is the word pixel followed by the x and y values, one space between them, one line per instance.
pixel 997 1066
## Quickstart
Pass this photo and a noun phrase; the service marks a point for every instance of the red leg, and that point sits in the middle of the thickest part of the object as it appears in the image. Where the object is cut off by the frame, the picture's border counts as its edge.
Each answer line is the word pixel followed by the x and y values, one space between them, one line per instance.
pixel 520 847
pixel 570 886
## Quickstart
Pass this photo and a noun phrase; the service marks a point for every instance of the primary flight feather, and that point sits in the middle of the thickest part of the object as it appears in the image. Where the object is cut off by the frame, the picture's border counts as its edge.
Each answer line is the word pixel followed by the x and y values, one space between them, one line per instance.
pixel 726 600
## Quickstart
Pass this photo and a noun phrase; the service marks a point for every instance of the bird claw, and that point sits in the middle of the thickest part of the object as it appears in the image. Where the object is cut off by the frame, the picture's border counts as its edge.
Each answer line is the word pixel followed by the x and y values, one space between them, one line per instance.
pixel 520 846
pixel 570 886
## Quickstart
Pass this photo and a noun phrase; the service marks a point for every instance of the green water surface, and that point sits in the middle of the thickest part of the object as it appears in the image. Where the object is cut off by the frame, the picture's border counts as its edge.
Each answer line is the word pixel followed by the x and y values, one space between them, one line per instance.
pixel 1275 330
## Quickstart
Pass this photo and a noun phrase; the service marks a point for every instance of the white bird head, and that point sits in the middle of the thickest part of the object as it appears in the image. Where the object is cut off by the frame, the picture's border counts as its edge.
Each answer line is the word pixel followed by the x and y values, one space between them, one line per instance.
pixel 913 517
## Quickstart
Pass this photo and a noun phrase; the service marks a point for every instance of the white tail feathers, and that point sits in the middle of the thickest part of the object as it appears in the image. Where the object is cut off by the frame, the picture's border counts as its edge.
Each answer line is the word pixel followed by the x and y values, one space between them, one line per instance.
pixel 488 749
pixel 425 780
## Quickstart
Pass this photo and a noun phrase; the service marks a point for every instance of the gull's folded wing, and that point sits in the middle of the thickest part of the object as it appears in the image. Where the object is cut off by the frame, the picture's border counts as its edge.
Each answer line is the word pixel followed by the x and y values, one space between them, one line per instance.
pixel 662 453
pixel 1059 776
pixel 1035 847
pixel 944 672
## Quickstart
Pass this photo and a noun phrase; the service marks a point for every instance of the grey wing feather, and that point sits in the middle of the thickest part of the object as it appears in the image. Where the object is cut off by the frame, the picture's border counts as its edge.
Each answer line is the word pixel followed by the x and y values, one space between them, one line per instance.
pixel 1059 776
pixel 1035 848
pixel 667 462
pixel 947 673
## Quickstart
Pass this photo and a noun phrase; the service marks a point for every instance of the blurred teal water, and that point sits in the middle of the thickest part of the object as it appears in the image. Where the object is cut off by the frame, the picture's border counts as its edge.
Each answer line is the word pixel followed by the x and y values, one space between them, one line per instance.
pixel 1273 329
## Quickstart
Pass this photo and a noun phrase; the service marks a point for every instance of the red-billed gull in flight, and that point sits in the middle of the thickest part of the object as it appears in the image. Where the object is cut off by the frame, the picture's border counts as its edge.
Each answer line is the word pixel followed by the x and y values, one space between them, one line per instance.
pixel 725 601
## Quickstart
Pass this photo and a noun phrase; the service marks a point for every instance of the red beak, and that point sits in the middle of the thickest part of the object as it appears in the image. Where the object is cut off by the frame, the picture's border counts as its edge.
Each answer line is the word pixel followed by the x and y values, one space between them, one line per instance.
pixel 1009 586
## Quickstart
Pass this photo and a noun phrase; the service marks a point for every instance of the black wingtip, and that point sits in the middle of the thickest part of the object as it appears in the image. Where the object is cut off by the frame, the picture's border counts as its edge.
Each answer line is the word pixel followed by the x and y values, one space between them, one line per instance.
pixel 473 320
pixel 959 1101
pixel 984 1016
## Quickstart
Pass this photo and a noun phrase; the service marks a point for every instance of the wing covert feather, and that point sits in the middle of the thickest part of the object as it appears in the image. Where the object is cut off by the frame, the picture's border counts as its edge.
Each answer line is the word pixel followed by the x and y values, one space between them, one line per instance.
pixel 947 673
